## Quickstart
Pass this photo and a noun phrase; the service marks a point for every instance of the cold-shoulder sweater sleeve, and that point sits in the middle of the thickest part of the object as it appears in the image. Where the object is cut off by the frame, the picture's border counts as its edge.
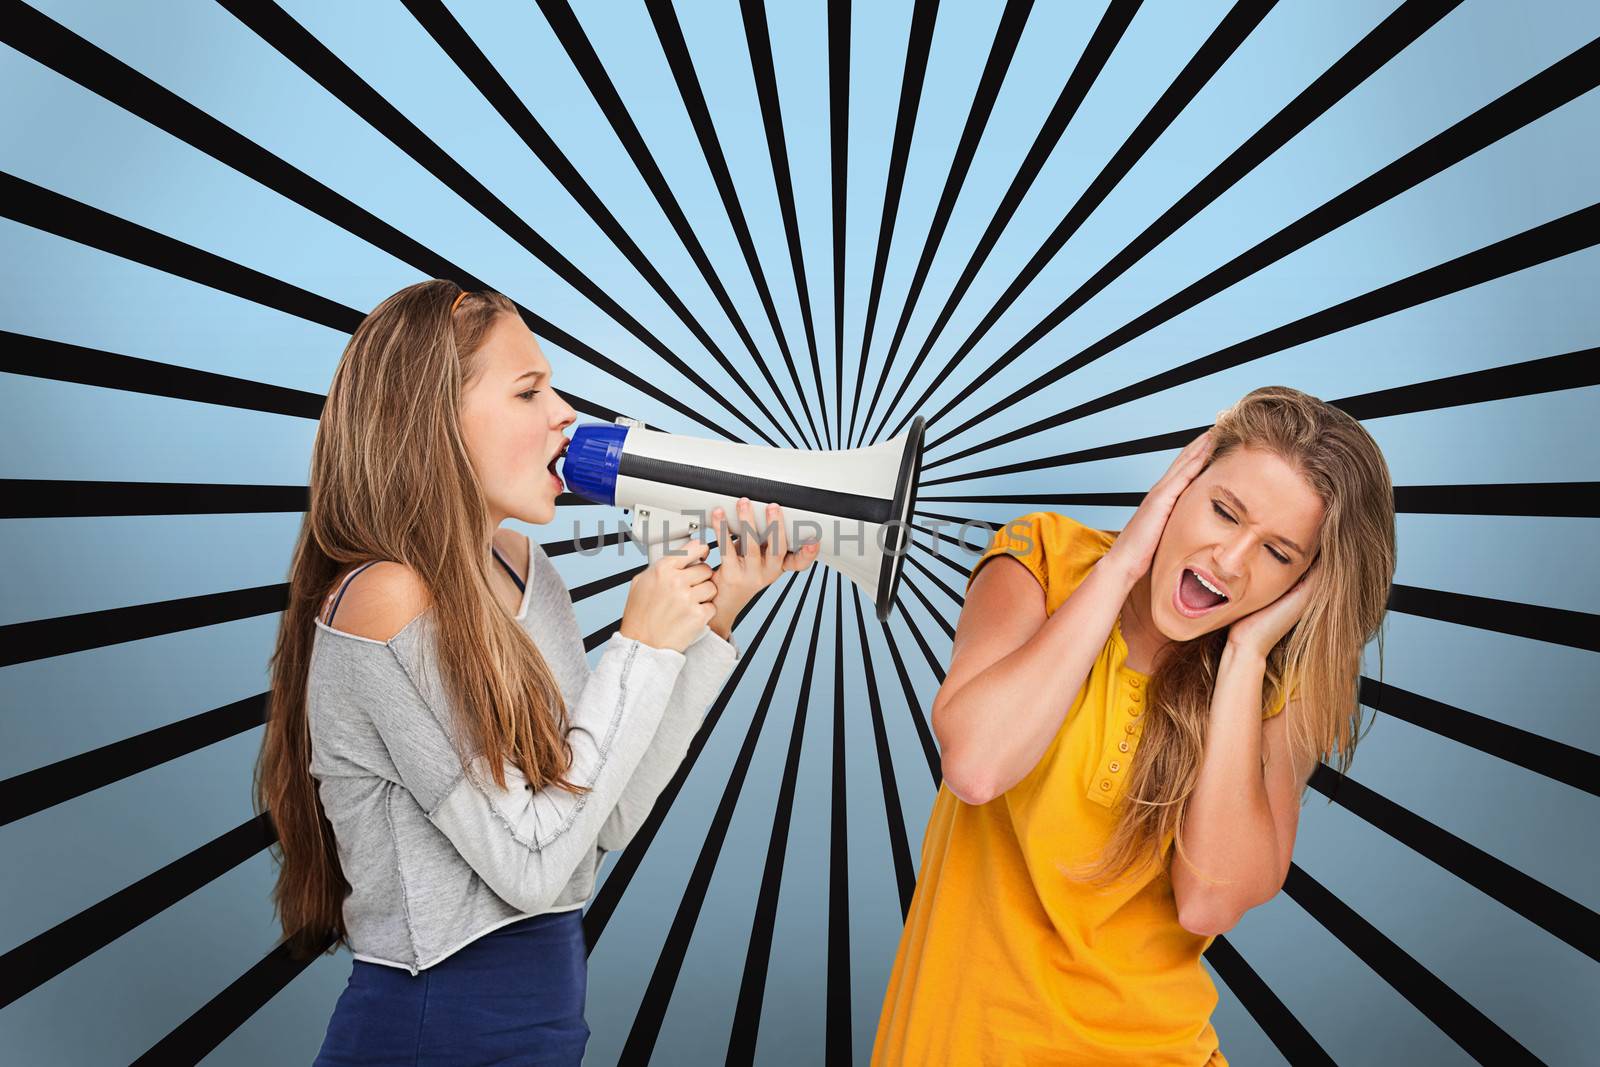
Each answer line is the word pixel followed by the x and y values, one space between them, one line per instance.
pixel 710 660
pixel 524 843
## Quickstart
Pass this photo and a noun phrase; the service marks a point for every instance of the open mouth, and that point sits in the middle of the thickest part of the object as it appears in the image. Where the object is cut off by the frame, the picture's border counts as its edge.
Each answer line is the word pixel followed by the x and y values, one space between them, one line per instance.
pixel 551 466
pixel 1195 597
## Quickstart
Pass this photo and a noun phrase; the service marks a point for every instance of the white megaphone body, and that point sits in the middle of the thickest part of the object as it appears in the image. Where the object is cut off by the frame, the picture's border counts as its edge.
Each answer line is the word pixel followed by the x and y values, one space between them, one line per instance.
pixel 856 502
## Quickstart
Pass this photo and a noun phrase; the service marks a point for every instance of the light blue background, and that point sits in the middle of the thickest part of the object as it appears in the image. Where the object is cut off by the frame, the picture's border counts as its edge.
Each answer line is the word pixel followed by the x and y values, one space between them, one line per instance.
pixel 120 1001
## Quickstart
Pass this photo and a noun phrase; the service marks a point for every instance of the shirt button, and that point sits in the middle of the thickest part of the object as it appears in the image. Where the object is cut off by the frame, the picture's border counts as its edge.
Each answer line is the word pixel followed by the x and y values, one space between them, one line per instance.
pixel 1115 766
pixel 1129 728
pixel 1104 784
pixel 1134 682
pixel 1136 696
pixel 1136 711
pixel 1122 746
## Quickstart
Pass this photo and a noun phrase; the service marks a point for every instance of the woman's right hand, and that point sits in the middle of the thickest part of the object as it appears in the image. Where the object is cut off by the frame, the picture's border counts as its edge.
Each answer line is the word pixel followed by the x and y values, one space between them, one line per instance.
pixel 1134 550
pixel 672 600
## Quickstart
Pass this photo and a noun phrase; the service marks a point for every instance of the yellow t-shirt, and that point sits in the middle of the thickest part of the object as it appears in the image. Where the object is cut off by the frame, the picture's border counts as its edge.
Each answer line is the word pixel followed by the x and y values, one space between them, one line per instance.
pixel 1004 960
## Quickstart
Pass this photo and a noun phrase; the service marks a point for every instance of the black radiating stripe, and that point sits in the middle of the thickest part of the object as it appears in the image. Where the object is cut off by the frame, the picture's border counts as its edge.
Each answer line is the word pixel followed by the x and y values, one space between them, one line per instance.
pixel 1528 897
pixel 621 875
pixel 927 605
pixel 1403 26
pixel 41 958
pixel 45 498
pixel 1447 1009
pixel 899 848
pixel 933 549
pixel 601 636
pixel 936 580
pixel 1533 99
pixel 36 206
pixel 460 47
pixel 22 642
pixel 653 1007
pixel 1548 499
pixel 838 1038
pixel 933 661
pixel 282 32
pixel 1286 1033
pixel 58 361
pixel 1001 51
pixel 610 581
pixel 918 45
pixel 753 984
pixel 41 498
pixel 196 1037
pixel 564 23
pixel 1240 21
pixel 1575 629
pixel 33 791
pixel 839 149
pixel 1553 759
pixel 586 546
pixel 670 34
pixel 930 751
pixel 759 44
pixel 1570 370
pixel 792 495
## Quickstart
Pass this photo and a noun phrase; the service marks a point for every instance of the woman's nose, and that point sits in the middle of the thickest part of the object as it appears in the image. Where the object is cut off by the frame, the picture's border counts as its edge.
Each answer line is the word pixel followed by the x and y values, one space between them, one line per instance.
pixel 1230 559
pixel 568 417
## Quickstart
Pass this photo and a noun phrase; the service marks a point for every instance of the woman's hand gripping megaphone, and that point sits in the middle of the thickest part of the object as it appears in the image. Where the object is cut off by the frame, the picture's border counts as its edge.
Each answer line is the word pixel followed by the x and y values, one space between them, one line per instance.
pixel 754 563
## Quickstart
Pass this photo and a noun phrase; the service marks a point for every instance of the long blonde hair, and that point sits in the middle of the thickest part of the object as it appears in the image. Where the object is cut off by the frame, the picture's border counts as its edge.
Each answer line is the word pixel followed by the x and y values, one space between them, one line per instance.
pixel 391 480
pixel 1321 654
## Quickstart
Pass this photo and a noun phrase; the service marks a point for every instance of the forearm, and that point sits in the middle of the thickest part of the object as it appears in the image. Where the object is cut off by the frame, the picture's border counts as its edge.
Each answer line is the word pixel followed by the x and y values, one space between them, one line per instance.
pixel 1228 832
pixel 708 662
pixel 993 730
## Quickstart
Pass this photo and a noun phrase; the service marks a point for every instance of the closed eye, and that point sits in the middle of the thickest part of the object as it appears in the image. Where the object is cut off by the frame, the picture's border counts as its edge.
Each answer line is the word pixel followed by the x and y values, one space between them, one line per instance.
pixel 1274 552
pixel 527 394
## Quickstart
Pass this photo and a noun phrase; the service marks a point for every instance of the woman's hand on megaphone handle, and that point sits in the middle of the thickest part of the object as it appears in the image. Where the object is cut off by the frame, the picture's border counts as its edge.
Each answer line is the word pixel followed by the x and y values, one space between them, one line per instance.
pixel 671 600
pixel 1134 550
pixel 745 570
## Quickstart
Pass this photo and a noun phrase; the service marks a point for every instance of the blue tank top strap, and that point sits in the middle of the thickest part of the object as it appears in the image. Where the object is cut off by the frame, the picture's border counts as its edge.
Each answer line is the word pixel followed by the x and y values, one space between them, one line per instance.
pixel 515 577
pixel 342 587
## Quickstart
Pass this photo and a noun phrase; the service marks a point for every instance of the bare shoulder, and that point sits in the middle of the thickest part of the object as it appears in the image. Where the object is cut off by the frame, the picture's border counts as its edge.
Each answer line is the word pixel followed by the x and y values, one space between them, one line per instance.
pixel 381 600
pixel 515 547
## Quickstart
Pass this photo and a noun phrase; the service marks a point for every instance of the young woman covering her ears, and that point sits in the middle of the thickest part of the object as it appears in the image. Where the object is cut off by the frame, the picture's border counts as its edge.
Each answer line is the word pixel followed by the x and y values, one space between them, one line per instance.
pixel 443 768
pixel 1119 784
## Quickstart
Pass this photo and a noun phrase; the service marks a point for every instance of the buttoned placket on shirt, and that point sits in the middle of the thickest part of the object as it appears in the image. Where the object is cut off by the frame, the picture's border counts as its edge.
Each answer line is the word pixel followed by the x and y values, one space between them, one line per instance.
pixel 1124 717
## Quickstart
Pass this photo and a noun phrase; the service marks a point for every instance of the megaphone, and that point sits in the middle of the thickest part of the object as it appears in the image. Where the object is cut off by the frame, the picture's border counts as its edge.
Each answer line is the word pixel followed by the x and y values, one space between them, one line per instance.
pixel 855 501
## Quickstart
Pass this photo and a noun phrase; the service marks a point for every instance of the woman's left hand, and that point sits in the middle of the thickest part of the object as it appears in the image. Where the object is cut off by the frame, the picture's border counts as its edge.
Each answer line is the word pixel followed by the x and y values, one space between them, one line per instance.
pixel 744 571
pixel 1263 628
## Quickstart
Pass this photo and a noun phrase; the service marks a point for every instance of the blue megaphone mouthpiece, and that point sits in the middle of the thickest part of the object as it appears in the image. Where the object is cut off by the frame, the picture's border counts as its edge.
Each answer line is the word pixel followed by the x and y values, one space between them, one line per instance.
pixel 590 465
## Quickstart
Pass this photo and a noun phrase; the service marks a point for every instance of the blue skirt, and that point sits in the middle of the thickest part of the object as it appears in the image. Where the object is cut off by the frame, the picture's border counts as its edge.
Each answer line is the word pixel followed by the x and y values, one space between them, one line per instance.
pixel 513 996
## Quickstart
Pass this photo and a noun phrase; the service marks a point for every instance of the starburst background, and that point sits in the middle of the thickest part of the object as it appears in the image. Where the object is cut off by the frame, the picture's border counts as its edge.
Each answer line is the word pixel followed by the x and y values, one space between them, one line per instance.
pixel 1066 233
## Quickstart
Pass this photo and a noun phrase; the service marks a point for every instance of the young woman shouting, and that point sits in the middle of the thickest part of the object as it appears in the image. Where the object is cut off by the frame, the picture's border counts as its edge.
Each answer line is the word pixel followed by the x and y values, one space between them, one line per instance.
pixel 443 768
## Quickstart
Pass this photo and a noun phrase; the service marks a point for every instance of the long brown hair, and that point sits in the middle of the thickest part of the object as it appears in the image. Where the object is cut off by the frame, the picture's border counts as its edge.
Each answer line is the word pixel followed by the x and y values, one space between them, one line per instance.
pixel 391 480
pixel 1318 660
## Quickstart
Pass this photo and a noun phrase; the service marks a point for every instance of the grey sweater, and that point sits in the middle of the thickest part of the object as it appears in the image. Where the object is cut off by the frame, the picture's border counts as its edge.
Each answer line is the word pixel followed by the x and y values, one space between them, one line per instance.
pixel 437 858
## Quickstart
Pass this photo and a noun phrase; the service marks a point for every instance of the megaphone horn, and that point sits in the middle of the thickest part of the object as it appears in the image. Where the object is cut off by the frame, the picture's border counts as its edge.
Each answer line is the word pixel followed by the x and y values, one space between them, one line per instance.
pixel 856 501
